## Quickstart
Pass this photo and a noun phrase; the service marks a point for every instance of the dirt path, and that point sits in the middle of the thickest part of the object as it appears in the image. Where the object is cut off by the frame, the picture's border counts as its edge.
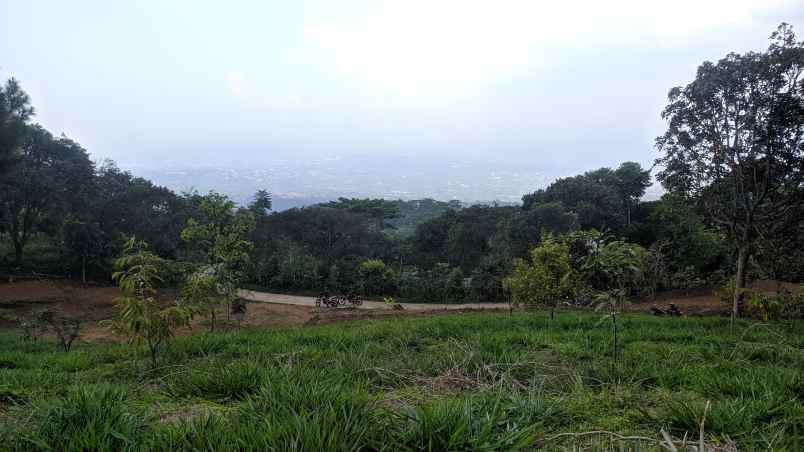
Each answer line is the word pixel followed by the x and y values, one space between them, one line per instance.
pixel 267 297
pixel 22 299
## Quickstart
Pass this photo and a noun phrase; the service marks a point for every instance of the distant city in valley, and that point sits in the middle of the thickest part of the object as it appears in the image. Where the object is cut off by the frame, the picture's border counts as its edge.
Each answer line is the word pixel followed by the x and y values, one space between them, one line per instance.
pixel 295 184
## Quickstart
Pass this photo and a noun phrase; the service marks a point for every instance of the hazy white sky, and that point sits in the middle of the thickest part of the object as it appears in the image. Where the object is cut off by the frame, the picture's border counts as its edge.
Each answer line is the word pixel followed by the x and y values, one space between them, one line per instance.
pixel 562 86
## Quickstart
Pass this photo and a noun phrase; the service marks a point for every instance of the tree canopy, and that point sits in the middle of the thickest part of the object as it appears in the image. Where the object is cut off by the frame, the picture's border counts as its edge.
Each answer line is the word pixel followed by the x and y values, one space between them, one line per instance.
pixel 734 143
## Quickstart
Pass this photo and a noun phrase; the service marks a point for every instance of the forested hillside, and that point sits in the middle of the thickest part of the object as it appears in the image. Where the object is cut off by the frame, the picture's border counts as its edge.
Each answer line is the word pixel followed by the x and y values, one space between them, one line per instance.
pixel 587 317
pixel 726 211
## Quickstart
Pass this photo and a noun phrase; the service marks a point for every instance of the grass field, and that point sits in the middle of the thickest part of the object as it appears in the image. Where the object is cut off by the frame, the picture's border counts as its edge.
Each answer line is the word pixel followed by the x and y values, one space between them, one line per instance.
pixel 477 381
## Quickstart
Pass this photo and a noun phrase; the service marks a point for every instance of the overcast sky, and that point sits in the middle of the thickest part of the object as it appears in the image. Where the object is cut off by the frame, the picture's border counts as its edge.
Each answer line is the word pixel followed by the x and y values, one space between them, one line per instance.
pixel 562 86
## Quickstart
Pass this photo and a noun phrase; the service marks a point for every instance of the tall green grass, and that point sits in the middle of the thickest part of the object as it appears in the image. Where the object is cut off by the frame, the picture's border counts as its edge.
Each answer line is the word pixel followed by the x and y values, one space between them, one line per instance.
pixel 481 381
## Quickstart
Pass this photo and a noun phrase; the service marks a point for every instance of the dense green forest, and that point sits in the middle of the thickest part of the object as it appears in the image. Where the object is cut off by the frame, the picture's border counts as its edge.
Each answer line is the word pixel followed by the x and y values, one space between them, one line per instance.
pixel 419 377
pixel 730 161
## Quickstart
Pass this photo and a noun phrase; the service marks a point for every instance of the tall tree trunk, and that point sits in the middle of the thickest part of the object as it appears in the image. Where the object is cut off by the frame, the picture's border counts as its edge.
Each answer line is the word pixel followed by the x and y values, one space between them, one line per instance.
pixel 740 278
pixel 628 213
pixel 84 269
pixel 18 245
pixel 614 329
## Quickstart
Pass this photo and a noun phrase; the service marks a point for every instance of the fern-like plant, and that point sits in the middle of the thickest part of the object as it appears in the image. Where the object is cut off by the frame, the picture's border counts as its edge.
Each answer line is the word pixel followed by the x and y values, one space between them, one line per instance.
pixel 203 294
pixel 140 317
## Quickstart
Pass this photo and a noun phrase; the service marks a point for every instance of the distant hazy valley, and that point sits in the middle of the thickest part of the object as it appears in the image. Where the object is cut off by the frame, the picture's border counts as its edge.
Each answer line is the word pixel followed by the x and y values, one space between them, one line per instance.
pixel 295 184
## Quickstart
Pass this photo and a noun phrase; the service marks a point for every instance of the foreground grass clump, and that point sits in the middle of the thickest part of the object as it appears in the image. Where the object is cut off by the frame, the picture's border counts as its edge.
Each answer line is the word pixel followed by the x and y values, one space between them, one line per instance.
pixel 460 382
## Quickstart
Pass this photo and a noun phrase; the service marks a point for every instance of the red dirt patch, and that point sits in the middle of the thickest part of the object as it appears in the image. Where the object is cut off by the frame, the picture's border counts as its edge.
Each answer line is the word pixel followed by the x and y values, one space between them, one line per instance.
pixel 704 301
pixel 690 305
pixel 24 298
pixel 91 304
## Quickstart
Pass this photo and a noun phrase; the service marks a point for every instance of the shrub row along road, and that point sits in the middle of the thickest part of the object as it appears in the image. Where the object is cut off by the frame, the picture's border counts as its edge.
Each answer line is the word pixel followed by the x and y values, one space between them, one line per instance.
pixel 267 297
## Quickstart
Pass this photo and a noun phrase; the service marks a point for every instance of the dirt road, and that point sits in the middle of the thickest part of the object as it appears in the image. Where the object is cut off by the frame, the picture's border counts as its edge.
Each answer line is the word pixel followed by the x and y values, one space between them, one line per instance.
pixel 297 300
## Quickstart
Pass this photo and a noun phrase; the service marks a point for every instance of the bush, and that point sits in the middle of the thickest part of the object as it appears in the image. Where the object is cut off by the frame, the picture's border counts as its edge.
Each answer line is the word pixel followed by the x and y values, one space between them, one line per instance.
pixel 792 303
pixel 376 278
pixel 140 316
pixel 545 280
pixel 786 305
pixel 761 306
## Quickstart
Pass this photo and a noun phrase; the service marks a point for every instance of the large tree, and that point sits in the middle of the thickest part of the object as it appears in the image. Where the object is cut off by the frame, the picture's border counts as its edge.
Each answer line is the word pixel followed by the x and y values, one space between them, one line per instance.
pixel 526 227
pixel 377 211
pixel 15 111
pixel 51 177
pixel 603 199
pixel 260 204
pixel 631 181
pixel 734 142
pixel 459 237
pixel 218 237
pixel 132 206
pixel 83 241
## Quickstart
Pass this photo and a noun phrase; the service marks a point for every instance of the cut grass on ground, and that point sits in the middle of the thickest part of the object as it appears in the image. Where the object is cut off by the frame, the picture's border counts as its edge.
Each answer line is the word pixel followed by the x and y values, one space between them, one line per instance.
pixel 472 381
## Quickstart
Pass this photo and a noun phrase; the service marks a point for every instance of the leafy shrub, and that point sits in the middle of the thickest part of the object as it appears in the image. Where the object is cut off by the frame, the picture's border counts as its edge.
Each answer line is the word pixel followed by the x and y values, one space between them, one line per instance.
pixel 201 294
pixel 376 278
pixel 140 316
pixel 787 304
pixel 616 268
pixel 792 303
pixel 761 306
pixel 545 280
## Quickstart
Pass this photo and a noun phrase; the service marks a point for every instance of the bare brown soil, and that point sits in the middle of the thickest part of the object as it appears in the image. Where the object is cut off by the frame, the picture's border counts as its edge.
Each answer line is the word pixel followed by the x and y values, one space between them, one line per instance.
pixel 704 301
pixel 22 298
pixel 91 304
pixel 695 303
